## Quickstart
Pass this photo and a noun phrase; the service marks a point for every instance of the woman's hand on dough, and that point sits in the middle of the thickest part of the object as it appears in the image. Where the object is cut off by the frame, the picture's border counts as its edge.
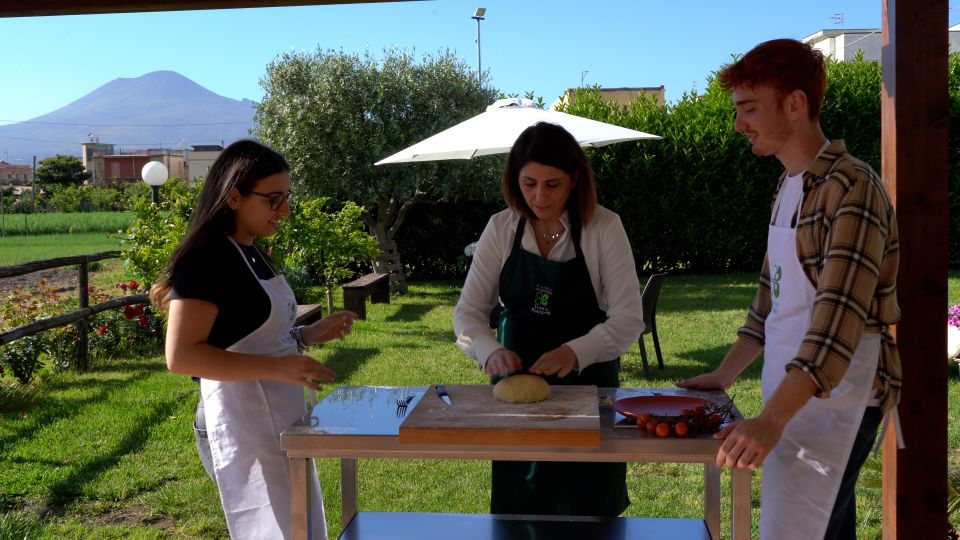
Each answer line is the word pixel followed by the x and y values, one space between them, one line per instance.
pixel 560 362
pixel 502 362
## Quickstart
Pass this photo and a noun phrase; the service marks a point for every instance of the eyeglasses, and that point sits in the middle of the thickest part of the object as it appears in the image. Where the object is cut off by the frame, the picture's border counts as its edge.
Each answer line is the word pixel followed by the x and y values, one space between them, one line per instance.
pixel 275 198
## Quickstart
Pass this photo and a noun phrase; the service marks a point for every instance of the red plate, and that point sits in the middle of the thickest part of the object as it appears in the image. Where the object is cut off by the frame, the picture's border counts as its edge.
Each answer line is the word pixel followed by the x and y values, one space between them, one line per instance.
pixel 657 405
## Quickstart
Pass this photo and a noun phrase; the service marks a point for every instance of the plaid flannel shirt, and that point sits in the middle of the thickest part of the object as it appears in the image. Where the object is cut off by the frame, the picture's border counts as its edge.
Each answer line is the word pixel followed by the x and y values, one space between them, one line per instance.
pixel 848 246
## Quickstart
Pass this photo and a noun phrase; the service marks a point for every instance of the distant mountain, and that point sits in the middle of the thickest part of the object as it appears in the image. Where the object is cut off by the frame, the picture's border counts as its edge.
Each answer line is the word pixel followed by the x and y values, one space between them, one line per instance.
pixel 148 111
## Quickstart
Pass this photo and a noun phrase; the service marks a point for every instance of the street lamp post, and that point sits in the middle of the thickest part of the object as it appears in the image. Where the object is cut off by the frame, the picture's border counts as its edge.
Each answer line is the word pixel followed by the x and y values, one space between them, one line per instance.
pixel 478 16
pixel 155 175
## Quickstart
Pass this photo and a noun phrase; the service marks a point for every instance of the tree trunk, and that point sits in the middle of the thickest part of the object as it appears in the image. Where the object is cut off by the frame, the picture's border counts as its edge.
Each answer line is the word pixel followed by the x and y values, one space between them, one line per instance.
pixel 383 225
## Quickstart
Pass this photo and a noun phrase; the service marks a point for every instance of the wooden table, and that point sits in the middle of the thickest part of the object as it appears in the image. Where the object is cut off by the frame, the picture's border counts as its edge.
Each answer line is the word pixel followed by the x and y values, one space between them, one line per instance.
pixel 361 422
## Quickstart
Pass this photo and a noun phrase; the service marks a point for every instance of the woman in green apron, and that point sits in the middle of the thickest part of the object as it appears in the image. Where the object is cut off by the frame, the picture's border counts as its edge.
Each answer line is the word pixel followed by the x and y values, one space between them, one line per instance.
pixel 562 270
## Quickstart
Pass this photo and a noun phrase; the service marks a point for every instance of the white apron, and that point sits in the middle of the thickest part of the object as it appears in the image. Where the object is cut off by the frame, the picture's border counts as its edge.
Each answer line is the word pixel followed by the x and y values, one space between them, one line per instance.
pixel 801 476
pixel 244 422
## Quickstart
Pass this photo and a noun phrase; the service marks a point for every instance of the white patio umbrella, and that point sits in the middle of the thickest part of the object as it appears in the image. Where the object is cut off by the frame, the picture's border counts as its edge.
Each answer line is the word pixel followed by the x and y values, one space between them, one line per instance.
pixel 494 132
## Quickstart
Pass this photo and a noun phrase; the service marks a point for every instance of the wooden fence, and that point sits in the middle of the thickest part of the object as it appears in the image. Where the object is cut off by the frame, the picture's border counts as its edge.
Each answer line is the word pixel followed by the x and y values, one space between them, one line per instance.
pixel 79 316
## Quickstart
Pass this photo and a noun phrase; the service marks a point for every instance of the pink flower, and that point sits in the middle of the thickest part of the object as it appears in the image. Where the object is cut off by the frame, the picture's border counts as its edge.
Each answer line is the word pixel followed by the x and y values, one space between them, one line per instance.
pixel 133 285
pixel 122 285
pixel 143 321
pixel 129 312
pixel 953 316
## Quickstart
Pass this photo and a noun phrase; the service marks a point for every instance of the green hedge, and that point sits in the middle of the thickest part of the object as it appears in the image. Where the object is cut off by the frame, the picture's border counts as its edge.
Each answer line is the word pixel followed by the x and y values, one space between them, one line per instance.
pixel 432 238
pixel 698 200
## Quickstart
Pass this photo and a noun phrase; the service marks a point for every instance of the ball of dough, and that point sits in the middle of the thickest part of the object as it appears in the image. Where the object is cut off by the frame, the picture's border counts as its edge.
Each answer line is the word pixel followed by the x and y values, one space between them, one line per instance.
pixel 521 389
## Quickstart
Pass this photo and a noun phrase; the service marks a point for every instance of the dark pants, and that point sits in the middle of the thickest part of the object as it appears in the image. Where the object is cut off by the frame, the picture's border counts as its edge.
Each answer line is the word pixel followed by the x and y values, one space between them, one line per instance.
pixel 843 519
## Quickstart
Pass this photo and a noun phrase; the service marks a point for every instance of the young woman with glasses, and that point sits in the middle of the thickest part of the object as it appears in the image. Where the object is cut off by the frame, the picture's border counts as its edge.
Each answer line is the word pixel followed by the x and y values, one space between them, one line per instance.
pixel 231 323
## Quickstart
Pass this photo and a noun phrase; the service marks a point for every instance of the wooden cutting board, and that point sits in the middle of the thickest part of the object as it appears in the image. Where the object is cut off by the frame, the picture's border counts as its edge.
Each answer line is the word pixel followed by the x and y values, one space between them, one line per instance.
pixel 569 417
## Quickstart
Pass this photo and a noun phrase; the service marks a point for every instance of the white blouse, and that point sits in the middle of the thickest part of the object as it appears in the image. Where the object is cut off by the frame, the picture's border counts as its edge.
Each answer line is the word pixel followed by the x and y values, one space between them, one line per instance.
pixel 609 259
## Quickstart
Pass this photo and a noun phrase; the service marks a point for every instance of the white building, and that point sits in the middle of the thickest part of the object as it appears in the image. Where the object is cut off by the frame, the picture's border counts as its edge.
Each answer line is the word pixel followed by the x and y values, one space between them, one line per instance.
pixel 842 45
pixel 200 158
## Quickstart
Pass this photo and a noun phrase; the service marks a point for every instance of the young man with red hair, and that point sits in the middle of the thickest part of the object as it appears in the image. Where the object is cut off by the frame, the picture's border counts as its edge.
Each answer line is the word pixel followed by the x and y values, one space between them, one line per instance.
pixel 822 311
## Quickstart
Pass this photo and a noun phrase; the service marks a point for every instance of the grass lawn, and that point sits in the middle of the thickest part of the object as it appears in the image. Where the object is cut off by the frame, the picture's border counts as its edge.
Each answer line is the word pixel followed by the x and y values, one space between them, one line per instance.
pixel 109 454
pixel 64 222
pixel 21 249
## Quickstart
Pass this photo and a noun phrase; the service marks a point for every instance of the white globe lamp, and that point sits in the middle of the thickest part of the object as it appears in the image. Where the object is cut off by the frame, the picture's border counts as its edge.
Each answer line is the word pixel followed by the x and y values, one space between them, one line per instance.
pixel 155 175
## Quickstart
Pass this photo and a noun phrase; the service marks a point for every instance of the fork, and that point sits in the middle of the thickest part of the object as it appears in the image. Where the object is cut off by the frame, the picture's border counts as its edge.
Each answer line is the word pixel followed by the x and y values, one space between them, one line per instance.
pixel 402 404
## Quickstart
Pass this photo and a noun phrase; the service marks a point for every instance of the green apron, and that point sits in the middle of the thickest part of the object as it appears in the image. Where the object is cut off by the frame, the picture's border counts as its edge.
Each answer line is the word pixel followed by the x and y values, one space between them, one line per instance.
pixel 546 304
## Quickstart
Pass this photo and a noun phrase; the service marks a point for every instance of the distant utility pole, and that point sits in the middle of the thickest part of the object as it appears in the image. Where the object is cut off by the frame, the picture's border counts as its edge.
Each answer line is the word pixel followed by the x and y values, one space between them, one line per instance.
pixel 33 185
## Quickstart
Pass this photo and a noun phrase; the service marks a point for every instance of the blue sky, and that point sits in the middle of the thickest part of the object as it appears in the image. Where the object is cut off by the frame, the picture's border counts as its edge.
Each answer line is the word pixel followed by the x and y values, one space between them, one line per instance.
pixel 533 45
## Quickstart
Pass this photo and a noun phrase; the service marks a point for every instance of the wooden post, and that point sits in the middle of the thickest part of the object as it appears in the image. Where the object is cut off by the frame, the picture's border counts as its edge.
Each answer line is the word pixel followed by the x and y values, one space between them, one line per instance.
pixel 82 327
pixel 914 120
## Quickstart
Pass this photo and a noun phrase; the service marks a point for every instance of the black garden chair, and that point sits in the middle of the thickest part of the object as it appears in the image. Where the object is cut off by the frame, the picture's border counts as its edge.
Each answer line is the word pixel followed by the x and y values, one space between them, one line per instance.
pixel 651 293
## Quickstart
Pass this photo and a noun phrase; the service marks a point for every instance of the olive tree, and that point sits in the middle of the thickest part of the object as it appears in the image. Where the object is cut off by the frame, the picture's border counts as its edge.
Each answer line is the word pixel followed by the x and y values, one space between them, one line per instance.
pixel 334 114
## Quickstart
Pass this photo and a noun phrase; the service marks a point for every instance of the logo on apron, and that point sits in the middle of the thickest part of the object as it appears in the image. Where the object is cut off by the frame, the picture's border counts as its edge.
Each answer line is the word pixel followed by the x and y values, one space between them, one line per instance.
pixel 541 300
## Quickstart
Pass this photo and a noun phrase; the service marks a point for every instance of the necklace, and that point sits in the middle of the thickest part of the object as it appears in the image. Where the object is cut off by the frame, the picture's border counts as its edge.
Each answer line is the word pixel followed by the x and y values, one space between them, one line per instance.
pixel 548 238
pixel 250 252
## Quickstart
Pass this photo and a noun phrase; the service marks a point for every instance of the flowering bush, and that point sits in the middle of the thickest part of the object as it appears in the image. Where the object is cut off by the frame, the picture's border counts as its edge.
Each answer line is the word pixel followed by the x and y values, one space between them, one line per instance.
pixel 133 328
pixel 130 329
pixel 953 316
pixel 22 357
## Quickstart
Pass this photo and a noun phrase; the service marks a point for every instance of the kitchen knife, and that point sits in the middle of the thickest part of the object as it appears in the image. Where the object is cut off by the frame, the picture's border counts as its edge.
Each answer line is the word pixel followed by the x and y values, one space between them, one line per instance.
pixel 442 392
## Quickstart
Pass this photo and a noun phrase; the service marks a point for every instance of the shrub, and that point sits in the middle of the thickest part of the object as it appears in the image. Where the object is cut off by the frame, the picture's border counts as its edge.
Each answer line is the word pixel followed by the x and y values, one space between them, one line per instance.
pixel 324 244
pixel 22 357
pixel 157 229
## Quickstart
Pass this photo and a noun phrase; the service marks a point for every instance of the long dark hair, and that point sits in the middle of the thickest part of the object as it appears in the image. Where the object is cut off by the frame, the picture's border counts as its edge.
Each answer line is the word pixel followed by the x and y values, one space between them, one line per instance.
pixel 241 165
pixel 551 145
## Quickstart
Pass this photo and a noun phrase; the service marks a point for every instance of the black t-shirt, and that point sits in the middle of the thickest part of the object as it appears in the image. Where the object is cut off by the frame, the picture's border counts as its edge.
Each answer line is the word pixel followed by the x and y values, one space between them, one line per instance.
pixel 214 271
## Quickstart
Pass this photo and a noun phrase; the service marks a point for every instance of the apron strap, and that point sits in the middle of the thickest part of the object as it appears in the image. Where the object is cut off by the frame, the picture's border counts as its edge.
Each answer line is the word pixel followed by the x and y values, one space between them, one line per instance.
pixel 893 417
pixel 518 237
pixel 575 231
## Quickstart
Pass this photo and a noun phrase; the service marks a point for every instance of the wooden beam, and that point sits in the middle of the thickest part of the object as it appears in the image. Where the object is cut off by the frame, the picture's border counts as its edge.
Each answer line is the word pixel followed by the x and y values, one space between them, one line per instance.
pixel 914 120
pixel 36 8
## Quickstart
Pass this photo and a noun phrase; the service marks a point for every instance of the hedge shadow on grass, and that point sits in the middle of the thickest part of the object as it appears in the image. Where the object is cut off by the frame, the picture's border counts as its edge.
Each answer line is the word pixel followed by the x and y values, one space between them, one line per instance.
pixel 45 413
pixel 448 296
pixel 71 487
pixel 430 336
pixel 694 363
pixel 344 361
pixel 410 313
